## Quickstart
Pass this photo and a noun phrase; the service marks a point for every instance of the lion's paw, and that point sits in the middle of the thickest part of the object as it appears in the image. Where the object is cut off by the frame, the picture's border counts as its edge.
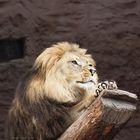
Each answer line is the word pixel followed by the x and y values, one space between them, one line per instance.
pixel 106 85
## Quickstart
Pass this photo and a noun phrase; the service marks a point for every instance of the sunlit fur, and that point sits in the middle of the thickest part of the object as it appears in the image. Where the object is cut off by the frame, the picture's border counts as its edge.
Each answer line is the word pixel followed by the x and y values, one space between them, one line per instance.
pixel 58 80
pixel 60 76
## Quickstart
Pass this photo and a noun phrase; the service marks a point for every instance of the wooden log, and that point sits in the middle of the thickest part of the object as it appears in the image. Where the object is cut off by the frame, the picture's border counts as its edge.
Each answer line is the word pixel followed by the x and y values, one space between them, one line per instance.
pixel 104 118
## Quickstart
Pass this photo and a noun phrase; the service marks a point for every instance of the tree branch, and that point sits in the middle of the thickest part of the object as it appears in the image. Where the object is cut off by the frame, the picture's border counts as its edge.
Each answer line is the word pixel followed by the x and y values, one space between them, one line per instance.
pixel 104 118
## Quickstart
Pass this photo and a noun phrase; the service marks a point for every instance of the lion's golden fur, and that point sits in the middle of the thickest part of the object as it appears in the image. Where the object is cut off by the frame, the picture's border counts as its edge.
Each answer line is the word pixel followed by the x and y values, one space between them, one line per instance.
pixel 50 95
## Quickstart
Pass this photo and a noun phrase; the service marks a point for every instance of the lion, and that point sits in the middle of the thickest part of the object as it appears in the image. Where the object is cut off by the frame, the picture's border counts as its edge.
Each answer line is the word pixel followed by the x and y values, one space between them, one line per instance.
pixel 58 88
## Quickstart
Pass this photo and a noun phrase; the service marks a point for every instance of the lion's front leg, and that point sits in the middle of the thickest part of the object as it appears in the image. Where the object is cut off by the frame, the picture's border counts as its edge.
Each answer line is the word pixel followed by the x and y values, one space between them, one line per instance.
pixel 80 107
pixel 106 85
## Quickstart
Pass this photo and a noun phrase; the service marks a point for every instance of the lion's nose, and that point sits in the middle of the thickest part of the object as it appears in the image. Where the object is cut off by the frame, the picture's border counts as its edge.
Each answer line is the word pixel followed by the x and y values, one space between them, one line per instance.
pixel 92 71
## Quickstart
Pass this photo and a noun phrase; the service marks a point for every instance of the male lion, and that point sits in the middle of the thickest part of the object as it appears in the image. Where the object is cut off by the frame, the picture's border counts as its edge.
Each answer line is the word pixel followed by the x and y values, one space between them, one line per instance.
pixel 62 83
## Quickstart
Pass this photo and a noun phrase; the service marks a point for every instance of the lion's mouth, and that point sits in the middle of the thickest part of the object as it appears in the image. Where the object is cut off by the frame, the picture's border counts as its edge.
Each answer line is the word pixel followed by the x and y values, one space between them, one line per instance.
pixel 85 82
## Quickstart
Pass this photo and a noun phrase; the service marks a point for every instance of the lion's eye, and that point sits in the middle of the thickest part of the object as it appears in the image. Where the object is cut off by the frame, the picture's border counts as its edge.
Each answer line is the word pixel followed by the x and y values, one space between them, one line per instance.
pixel 90 65
pixel 74 62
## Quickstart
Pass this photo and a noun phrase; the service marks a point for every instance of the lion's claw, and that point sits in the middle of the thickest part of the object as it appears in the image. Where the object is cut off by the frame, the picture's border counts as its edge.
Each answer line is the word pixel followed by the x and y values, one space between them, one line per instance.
pixel 109 85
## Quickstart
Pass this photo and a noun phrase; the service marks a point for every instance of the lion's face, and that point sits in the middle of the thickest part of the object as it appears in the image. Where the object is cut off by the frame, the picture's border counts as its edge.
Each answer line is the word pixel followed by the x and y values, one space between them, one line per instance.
pixel 69 71
pixel 78 70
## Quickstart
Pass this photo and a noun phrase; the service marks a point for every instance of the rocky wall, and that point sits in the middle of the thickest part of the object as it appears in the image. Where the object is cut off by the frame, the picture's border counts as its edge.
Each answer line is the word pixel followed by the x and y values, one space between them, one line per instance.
pixel 110 30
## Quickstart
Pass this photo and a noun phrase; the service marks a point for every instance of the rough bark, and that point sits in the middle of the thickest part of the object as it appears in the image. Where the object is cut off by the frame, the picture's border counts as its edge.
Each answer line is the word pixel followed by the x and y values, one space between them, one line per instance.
pixel 104 118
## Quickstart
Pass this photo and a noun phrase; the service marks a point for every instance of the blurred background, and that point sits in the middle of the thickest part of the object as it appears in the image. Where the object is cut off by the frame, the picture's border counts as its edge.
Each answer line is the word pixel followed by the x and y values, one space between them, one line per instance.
pixel 109 29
